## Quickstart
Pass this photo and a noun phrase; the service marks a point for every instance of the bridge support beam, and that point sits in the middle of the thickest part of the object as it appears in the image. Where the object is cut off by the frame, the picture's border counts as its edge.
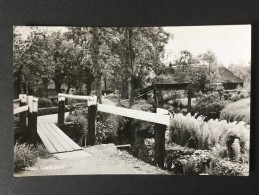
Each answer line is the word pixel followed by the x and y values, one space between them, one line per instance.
pixel 92 109
pixel 23 102
pixel 32 119
pixel 61 110
pixel 160 140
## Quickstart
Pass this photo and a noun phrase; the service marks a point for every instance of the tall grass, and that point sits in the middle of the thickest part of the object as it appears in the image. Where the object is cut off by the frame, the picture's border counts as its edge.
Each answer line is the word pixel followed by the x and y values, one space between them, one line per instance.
pixel 237 111
pixel 212 135
pixel 25 155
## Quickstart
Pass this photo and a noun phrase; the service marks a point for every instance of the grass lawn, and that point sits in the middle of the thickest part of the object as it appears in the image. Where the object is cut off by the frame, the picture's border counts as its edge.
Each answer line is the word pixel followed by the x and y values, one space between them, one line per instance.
pixel 237 111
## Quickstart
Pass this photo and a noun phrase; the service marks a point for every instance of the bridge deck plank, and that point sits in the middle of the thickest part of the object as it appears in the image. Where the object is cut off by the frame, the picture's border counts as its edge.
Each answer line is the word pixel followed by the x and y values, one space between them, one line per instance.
pixel 54 139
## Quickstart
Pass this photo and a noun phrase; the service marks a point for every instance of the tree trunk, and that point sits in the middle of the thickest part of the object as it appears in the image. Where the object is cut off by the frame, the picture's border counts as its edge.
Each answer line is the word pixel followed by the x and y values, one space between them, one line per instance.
pixel 105 83
pixel 125 89
pixel 89 88
pixel 131 59
pixel 132 91
pixel 99 88
pixel 68 89
pixel 58 86
pixel 96 65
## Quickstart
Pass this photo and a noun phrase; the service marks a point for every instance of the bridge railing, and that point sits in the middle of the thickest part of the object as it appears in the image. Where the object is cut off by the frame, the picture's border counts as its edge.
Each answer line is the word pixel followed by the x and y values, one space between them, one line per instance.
pixel 27 106
pixel 161 119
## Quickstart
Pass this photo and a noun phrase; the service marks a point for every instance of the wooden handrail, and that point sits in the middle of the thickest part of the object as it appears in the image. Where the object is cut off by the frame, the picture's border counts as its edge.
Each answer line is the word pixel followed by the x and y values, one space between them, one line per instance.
pixel 17 100
pixel 136 114
pixel 20 109
pixel 78 97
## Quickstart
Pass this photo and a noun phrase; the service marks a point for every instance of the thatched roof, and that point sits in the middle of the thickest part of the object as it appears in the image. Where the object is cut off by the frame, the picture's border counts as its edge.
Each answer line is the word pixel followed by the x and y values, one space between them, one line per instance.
pixel 227 76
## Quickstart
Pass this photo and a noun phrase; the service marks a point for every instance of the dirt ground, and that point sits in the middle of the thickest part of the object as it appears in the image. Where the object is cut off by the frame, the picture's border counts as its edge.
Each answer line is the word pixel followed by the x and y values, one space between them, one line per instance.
pixel 100 159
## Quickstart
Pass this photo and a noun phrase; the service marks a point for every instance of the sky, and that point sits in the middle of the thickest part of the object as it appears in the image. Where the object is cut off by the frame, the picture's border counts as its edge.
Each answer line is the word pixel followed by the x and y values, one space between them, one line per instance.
pixel 231 43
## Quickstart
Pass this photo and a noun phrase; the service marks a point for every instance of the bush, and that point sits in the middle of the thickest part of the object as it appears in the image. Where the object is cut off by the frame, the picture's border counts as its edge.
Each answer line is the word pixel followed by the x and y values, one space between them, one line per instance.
pixel 214 135
pixel 26 155
pixel 187 161
pixel 50 110
pixel 163 79
pixel 224 167
pixel 106 125
pixel 79 119
pixel 209 105
pixel 44 102
pixel 237 111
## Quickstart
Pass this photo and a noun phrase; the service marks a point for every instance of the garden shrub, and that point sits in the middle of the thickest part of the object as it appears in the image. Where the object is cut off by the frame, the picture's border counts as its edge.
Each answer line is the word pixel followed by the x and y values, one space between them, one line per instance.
pixel 54 102
pixel 237 111
pixel 163 79
pixel 51 110
pixel 223 167
pixel 106 126
pixel 79 119
pixel 214 134
pixel 209 105
pixel 188 161
pixel 44 102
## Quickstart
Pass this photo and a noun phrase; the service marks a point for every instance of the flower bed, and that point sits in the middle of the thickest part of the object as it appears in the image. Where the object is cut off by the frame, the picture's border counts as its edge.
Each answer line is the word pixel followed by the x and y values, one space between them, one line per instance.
pixel 214 135
pixel 188 161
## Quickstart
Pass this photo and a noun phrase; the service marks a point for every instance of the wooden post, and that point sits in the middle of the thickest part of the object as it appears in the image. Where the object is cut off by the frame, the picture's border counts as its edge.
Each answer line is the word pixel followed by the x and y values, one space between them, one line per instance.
pixel 32 119
pixel 23 102
pixel 160 140
pixel 189 99
pixel 92 109
pixel 61 110
pixel 155 97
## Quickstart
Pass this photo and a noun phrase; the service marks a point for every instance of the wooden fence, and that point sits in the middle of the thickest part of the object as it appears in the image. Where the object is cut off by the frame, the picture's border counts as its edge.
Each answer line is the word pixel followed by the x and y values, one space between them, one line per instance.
pixel 161 119
pixel 27 106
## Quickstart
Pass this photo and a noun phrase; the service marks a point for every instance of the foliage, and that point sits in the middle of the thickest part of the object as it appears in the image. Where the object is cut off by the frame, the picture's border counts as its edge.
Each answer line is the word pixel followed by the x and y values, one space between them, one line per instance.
pixel 213 135
pixel 26 155
pixel 113 96
pixel 106 125
pixel 31 60
pixel 241 70
pixel 163 79
pixel 44 102
pixel 50 110
pixel 237 111
pixel 209 105
pixel 79 119
pixel 188 161
pixel 223 167
pixel 185 59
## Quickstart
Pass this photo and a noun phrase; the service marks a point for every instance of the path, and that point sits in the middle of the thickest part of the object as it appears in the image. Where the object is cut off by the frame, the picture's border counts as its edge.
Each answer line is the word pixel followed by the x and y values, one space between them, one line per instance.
pixel 100 159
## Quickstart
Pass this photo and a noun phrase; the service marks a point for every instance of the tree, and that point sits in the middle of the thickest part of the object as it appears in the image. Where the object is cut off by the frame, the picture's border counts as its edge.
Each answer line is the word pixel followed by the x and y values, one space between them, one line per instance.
pixel 185 59
pixel 31 61
pixel 242 70
pixel 210 59
pixel 140 50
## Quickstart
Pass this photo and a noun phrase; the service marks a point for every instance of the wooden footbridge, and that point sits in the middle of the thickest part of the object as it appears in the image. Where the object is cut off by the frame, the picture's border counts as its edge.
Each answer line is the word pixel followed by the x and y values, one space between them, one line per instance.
pixel 56 141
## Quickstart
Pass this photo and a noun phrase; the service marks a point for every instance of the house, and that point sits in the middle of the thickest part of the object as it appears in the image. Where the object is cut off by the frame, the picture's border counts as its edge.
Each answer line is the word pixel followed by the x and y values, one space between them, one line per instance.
pixel 228 79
